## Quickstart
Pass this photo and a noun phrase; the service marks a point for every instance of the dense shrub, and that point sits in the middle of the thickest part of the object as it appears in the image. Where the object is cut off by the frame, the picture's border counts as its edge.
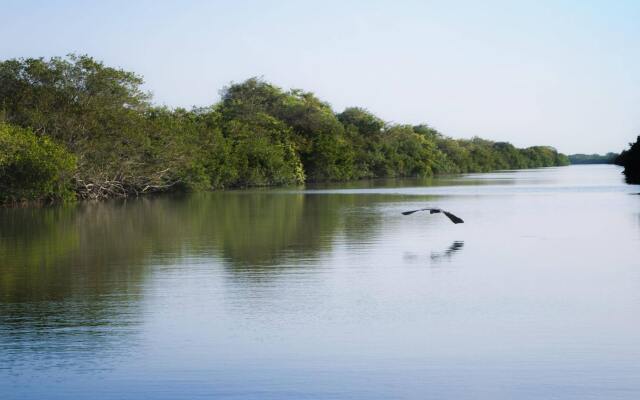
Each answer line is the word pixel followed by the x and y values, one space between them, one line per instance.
pixel 261 153
pixel 33 168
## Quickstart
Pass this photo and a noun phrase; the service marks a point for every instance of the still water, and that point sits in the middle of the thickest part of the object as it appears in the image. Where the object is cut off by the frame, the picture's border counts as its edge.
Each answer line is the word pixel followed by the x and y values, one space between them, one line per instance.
pixel 330 293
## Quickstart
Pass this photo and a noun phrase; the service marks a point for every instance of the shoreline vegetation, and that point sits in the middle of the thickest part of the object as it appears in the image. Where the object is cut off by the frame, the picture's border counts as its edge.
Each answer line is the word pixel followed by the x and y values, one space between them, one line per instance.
pixel 609 158
pixel 72 128
pixel 630 160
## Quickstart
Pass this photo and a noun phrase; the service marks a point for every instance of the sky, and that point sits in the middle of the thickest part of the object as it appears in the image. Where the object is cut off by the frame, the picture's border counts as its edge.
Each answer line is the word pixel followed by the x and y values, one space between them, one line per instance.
pixel 559 73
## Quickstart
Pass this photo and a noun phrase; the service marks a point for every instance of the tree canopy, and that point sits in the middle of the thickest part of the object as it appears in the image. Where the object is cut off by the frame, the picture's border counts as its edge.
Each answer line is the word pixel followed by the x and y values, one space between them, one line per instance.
pixel 608 158
pixel 102 137
pixel 33 167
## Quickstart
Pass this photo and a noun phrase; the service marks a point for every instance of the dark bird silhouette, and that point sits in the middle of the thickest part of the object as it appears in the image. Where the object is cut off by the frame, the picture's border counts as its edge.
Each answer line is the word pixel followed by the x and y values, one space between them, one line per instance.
pixel 453 218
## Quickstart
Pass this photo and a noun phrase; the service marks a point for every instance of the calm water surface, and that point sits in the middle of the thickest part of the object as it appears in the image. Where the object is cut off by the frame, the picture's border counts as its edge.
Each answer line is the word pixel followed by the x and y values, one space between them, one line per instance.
pixel 330 293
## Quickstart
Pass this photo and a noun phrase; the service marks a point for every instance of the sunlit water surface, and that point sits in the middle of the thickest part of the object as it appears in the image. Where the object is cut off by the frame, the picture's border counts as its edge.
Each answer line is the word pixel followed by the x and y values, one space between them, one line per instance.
pixel 330 293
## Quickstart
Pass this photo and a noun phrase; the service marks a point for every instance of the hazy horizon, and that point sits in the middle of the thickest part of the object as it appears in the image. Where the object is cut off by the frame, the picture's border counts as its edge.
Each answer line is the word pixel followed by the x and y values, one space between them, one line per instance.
pixel 564 74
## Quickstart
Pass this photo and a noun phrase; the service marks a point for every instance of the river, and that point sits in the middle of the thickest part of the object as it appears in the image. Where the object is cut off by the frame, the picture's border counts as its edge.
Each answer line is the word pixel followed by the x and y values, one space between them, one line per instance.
pixel 328 292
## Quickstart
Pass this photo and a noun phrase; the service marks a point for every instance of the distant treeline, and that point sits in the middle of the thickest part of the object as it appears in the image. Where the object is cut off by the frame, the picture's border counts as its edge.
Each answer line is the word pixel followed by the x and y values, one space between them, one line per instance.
pixel 74 128
pixel 608 158
pixel 630 160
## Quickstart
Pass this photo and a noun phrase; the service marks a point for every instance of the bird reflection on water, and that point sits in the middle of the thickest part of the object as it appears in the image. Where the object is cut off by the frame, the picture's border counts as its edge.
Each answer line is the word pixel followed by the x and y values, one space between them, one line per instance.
pixel 454 248
pixel 439 256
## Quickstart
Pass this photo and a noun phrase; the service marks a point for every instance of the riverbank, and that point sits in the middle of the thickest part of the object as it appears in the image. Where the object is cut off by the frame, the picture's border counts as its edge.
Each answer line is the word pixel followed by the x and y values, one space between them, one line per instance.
pixel 76 129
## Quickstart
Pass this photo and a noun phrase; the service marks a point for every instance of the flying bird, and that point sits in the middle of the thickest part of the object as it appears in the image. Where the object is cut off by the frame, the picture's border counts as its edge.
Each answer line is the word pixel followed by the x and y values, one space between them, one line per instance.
pixel 453 218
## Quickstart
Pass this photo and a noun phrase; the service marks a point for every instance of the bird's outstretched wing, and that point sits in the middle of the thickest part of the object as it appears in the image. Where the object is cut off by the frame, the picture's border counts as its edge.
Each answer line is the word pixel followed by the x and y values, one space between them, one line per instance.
pixel 453 218
pixel 433 210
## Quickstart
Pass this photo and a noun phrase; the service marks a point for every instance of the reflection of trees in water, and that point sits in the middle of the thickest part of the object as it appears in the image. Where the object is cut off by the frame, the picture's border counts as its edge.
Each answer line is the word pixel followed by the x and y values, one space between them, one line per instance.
pixel 49 302
pixel 86 263
pixel 264 230
pixel 254 230
pixel 91 249
pixel 95 249
pixel 71 278
pixel 472 179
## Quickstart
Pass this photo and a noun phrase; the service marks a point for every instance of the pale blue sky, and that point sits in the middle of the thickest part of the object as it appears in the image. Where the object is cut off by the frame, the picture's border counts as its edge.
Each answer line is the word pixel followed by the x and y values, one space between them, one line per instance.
pixel 563 73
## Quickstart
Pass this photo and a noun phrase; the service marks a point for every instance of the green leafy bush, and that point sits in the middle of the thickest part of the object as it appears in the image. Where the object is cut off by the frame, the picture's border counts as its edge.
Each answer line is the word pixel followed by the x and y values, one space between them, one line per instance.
pixel 33 168
pixel 261 153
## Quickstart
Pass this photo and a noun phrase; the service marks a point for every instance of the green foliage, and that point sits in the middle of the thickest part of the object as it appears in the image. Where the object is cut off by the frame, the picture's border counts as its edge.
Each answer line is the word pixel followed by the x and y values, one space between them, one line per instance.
pixel 630 160
pixel 33 168
pixel 405 153
pixel 479 155
pixel 257 135
pixel 608 158
pixel 261 153
pixel 367 124
pixel 544 156
pixel 123 145
pixel 316 133
pixel 70 100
